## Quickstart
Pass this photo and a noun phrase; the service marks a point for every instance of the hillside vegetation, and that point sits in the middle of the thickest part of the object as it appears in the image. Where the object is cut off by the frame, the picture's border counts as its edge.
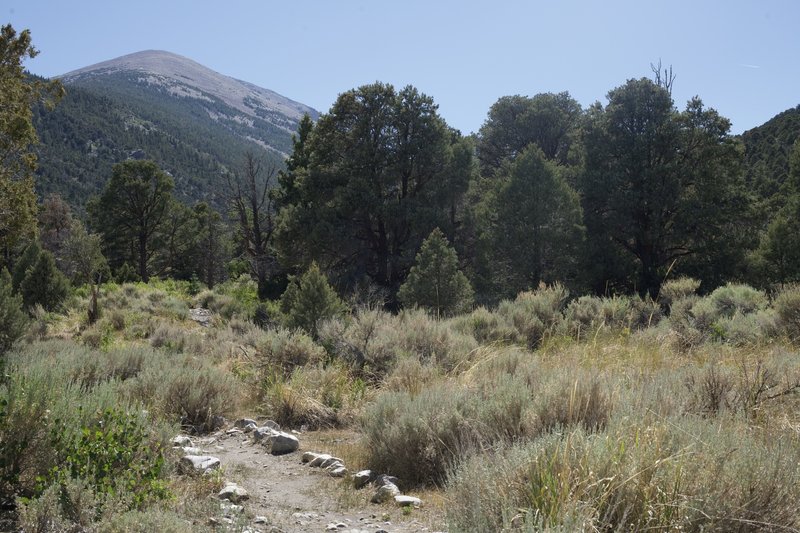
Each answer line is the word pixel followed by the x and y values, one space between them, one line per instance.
pixel 544 412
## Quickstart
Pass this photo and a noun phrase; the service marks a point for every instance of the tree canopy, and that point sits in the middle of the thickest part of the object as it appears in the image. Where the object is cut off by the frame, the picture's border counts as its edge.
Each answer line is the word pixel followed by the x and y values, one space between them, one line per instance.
pixel 133 208
pixel 18 93
pixel 378 179
pixel 660 186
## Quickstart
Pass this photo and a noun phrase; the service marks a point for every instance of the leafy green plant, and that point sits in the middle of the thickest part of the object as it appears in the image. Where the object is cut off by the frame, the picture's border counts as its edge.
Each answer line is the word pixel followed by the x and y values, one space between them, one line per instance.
pixel 113 453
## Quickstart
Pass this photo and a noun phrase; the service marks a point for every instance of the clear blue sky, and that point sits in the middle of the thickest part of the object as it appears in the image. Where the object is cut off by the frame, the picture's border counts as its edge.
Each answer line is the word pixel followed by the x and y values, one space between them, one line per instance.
pixel 741 57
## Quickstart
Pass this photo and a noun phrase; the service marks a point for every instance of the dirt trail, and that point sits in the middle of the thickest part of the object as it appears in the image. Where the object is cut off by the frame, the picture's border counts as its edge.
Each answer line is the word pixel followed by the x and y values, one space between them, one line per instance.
pixel 293 497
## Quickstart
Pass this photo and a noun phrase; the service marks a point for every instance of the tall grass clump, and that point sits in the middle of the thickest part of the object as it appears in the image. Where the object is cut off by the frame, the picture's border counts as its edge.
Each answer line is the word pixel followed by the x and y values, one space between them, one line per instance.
pixel 787 309
pixel 313 396
pixel 680 474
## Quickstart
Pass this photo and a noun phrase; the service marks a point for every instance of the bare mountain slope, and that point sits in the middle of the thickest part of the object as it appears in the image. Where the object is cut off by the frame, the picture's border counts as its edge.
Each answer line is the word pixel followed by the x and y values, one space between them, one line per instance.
pixel 180 76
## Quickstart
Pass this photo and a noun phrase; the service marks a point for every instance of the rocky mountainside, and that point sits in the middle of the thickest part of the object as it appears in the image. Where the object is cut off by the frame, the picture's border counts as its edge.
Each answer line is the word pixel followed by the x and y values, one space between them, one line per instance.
pixel 194 122
pixel 172 75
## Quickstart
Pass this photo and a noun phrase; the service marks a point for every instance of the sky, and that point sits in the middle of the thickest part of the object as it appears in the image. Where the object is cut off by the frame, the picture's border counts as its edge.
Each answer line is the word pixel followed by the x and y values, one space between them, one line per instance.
pixel 742 57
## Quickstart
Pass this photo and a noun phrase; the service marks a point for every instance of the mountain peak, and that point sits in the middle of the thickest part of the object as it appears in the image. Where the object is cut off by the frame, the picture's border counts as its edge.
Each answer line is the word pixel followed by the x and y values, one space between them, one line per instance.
pixel 183 77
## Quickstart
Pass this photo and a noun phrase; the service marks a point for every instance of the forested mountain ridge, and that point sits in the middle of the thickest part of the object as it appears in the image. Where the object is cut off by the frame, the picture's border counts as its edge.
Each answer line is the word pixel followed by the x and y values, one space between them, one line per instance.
pixel 767 149
pixel 193 121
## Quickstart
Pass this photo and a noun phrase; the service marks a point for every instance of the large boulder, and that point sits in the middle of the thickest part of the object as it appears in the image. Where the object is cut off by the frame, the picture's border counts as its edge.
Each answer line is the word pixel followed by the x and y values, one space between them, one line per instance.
pixel 277 442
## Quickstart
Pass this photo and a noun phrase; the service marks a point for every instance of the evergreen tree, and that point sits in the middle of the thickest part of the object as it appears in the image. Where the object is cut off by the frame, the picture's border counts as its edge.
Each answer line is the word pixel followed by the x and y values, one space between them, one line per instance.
pixel 435 281
pixel 18 94
pixel 44 284
pixel 535 226
pixel 661 188
pixel 131 213
pixel 12 319
pixel 309 299
pixel 29 256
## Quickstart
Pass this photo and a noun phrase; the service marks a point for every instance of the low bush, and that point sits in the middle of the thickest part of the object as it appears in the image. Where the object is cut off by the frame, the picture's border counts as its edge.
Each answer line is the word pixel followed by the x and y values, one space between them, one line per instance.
pixel 677 289
pixel 535 314
pixel 419 437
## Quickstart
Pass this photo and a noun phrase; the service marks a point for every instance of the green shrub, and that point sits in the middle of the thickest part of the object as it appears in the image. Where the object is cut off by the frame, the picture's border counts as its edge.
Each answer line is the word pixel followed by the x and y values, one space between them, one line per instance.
pixel 286 349
pixel 485 327
pixel 41 283
pixel 366 341
pixel 732 298
pixel 677 289
pixel 308 300
pixel 114 453
pixel 313 396
pixel 677 474
pixel 419 437
pixel 435 282
pixel 12 319
pixel 187 391
pixel 535 314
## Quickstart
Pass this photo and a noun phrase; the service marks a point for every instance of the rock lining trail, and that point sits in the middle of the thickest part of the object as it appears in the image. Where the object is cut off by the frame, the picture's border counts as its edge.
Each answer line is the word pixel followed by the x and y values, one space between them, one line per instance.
pixel 285 495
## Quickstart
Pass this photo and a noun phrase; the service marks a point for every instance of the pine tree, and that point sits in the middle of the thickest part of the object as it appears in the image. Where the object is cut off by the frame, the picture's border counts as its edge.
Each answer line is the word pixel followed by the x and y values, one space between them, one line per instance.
pixel 44 284
pixel 435 281
pixel 310 299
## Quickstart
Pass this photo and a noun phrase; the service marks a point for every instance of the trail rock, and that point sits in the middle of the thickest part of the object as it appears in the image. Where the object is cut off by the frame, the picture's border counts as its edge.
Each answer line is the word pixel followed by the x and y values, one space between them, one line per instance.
pixel 339 471
pixel 199 463
pixel 234 493
pixel 245 424
pixel 383 479
pixel 309 456
pixel 191 450
pixel 271 424
pixel 331 461
pixel 321 458
pixel 181 441
pixel 360 479
pixel 278 442
pixel 405 501
pixel 385 492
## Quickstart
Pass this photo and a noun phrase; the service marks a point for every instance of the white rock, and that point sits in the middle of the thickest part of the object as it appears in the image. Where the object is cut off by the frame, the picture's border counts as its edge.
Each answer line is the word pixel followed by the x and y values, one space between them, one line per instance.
pixel 261 433
pixel 330 461
pixel 385 493
pixel 201 316
pixel 181 441
pixel 309 456
pixel 260 520
pixel 277 442
pixel 360 479
pixel 271 424
pixel 338 472
pixel 199 463
pixel 405 501
pixel 191 450
pixel 234 493
pixel 384 478
pixel 321 458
